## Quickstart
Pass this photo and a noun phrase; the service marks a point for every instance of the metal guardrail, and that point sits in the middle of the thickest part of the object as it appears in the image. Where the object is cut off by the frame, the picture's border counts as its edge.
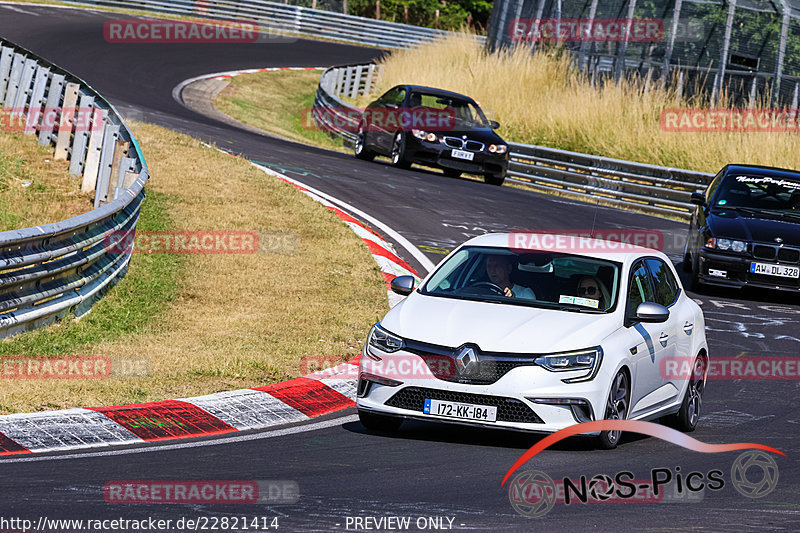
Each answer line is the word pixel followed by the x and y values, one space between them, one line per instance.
pixel 279 18
pixel 655 189
pixel 49 271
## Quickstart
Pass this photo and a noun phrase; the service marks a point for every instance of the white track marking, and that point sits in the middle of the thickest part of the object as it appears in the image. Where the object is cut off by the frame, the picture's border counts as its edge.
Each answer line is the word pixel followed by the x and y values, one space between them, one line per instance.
pixel 426 263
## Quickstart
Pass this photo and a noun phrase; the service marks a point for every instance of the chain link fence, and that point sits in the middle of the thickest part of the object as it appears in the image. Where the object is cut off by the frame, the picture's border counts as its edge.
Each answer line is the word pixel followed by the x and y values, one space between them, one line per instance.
pixel 747 49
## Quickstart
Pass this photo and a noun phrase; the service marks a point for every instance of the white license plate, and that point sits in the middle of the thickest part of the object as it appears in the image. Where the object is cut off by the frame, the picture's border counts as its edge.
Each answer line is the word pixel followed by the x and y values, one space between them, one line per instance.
pixel 462 154
pixel 466 411
pixel 782 271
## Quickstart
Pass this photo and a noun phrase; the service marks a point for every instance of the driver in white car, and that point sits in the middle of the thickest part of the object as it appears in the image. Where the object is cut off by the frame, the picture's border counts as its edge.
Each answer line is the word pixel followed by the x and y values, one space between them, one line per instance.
pixel 499 268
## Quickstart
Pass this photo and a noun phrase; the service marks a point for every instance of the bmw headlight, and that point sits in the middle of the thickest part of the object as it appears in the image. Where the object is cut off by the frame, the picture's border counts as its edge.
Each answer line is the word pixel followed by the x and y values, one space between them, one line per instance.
pixel 498 148
pixel 726 245
pixel 424 135
pixel 383 341
pixel 588 360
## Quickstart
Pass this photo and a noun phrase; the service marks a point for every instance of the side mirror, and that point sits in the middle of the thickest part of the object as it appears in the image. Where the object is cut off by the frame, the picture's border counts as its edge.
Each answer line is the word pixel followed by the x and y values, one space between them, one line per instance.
pixel 698 198
pixel 651 312
pixel 494 124
pixel 403 285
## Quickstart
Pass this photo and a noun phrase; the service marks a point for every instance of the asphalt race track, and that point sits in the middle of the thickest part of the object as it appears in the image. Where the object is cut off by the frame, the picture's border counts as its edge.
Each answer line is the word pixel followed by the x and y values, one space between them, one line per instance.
pixel 424 470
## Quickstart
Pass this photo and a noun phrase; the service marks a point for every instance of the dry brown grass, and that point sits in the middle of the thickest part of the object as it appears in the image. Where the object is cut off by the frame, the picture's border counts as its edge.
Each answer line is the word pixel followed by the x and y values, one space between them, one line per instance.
pixel 539 99
pixel 238 320
pixel 34 189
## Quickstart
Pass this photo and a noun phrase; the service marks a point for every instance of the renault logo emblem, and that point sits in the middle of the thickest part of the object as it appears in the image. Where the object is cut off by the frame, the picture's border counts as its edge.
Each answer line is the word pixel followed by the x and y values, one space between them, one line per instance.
pixel 778 240
pixel 465 359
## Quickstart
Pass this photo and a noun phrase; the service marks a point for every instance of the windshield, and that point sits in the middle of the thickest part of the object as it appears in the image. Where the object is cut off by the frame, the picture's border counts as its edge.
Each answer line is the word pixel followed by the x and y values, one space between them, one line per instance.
pixel 538 279
pixel 466 112
pixel 759 192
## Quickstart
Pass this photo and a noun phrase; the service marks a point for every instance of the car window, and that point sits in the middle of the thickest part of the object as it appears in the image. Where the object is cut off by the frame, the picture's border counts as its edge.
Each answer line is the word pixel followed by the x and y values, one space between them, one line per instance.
pixel 639 290
pixel 394 96
pixel 539 279
pixel 666 288
pixel 712 188
pixel 463 110
pixel 758 192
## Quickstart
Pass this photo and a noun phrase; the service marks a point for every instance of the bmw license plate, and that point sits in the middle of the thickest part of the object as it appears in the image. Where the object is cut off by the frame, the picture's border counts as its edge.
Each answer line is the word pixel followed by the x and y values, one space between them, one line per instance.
pixel 466 411
pixel 781 271
pixel 462 154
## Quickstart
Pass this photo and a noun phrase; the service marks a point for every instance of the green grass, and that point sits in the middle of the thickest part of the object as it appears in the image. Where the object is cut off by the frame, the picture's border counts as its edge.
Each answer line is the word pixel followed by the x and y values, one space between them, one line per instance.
pixel 151 283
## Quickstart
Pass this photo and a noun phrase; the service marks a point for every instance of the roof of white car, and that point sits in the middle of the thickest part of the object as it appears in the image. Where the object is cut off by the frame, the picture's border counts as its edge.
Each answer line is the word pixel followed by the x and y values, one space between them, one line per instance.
pixel 624 249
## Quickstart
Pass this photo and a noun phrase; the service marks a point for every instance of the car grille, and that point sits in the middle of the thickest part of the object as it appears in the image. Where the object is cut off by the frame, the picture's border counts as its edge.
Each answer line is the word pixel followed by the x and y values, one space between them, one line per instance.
pixel 483 372
pixel 455 142
pixel 489 367
pixel 769 252
pixel 474 146
pixel 508 409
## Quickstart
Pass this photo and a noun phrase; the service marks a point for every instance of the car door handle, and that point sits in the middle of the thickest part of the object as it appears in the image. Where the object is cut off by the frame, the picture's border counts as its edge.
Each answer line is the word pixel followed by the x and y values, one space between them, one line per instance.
pixel 663 339
pixel 688 327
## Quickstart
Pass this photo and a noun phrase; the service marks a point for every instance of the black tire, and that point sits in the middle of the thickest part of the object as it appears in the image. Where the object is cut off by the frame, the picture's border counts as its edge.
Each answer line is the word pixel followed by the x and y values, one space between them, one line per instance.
pixel 398 155
pixel 616 409
pixel 376 422
pixel 451 173
pixel 694 277
pixel 687 262
pixel 491 179
pixel 360 148
pixel 688 415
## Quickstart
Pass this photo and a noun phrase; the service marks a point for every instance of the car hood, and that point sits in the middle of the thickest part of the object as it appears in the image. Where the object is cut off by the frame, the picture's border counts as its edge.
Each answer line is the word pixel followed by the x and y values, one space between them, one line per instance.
pixel 483 134
pixel 754 227
pixel 497 327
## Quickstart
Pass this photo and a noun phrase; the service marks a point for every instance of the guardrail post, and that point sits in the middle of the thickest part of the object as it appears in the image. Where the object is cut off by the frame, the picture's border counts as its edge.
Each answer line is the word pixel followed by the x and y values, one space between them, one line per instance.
pixel 65 120
pixel 78 156
pixel 356 82
pixel 93 153
pixel 51 109
pixel 339 80
pixel 348 77
pixel 13 80
pixel 120 152
pixel 6 56
pixel 110 137
pixel 35 106
pixel 368 83
pixel 126 167
pixel 24 89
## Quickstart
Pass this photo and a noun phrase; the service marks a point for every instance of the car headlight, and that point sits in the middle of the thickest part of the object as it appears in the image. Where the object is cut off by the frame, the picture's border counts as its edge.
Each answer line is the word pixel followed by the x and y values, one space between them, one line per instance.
pixel 726 245
pixel 588 360
pixel 383 341
pixel 424 135
pixel 498 148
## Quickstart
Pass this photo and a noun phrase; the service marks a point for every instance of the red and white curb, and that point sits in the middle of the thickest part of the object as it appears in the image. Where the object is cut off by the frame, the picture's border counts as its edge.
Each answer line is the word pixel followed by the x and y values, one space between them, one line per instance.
pixel 294 400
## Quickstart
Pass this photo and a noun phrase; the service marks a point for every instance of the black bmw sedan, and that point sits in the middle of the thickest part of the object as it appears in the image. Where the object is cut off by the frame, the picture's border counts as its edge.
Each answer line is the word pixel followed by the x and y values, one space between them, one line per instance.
pixel 745 230
pixel 436 128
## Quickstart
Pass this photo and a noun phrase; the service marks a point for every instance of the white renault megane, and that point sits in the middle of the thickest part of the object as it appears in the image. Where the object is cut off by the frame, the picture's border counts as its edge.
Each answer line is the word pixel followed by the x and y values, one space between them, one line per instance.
pixel 538 339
